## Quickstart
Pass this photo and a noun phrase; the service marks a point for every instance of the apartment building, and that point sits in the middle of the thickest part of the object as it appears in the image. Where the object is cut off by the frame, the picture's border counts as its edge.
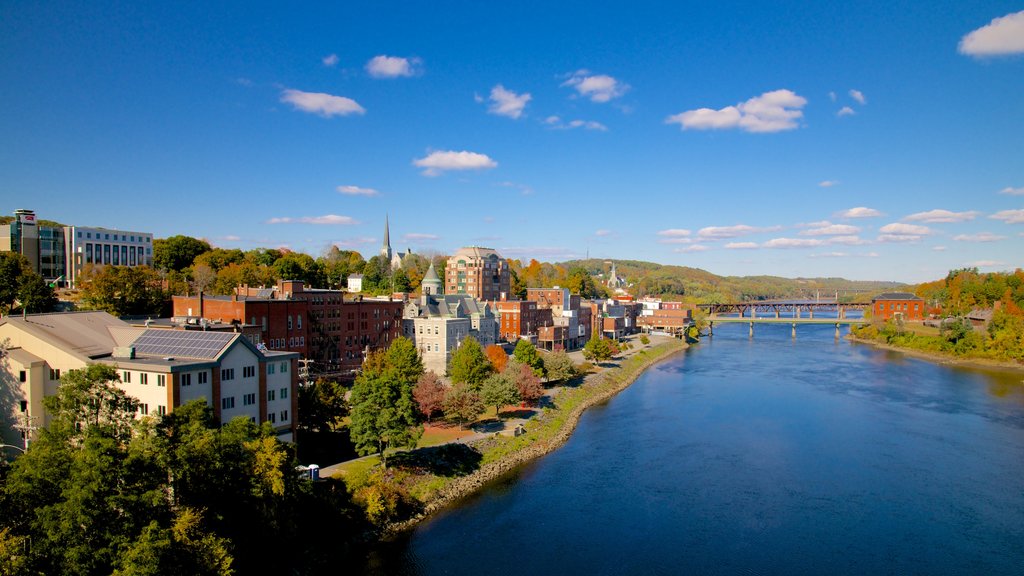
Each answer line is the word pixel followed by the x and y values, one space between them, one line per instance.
pixel 478 272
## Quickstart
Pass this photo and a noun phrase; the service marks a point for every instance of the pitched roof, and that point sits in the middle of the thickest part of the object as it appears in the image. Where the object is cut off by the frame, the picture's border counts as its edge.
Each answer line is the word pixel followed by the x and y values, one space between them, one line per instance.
pixel 84 334
pixel 897 296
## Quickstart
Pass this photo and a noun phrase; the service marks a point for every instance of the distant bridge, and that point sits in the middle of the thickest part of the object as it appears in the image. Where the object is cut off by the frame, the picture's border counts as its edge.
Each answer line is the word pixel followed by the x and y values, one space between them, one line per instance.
pixel 712 320
pixel 780 308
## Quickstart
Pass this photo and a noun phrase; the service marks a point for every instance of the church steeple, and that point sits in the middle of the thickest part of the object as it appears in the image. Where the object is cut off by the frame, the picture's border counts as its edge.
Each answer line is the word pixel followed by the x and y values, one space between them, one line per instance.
pixel 385 249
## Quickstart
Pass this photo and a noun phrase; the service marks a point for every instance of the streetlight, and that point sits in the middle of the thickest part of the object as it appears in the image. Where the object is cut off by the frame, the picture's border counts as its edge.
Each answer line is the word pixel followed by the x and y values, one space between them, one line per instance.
pixel 19 448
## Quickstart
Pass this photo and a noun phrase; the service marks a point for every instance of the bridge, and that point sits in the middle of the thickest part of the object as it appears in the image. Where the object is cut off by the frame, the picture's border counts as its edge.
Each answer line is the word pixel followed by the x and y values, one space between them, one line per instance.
pixel 792 321
pixel 781 308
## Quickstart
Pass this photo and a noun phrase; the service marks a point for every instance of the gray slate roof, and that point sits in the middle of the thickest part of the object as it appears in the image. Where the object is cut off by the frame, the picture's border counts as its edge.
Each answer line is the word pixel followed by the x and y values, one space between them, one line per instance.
pixel 897 296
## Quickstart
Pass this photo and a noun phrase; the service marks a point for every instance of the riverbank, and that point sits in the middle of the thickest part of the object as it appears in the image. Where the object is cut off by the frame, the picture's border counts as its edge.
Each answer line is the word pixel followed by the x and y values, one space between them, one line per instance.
pixel 945 359
pixel 548 431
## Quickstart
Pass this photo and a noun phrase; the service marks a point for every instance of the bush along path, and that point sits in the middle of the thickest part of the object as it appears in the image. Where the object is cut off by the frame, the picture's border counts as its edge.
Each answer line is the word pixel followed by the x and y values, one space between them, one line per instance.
pixel 495 456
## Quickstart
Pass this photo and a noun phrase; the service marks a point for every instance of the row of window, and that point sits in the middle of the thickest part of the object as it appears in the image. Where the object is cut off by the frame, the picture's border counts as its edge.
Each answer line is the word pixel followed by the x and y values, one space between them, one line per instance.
pixel 106 236
pixel 293 342
pixel 283 366
pixel 161 410
pixel 115 255
pixel 161 379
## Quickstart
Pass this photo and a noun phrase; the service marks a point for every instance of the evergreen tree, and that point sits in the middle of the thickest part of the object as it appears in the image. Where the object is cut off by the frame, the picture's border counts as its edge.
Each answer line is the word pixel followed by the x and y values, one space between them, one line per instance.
pixel 383 408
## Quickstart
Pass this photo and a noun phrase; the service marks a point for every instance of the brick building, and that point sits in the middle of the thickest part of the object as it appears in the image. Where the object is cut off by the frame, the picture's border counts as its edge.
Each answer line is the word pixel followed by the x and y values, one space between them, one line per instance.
pixel 478 272
pixel 321 325
pixel 569 312
pixel 520 319
pixel 898 305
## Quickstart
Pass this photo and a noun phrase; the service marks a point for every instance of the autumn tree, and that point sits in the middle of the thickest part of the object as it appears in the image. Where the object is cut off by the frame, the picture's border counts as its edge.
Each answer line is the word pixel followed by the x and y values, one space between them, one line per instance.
pixel 122 290
pixel 468 364
pixel 463 404
pixel 430 394
pixel 497 357
pixel 527 382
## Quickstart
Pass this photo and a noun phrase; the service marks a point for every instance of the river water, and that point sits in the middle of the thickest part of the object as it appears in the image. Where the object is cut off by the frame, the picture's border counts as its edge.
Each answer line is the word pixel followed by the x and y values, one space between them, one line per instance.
pixel 762 456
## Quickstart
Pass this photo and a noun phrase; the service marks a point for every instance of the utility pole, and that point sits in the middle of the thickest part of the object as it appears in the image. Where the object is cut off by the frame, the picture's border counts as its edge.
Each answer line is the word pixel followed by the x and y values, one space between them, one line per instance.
pixel 26 428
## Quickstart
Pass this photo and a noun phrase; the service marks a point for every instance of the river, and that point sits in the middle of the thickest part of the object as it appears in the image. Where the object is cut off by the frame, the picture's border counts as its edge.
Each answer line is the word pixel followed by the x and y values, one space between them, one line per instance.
pixel 762 456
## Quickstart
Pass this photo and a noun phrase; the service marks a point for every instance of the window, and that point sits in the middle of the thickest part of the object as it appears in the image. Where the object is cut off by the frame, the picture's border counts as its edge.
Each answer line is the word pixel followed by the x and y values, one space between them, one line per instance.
pixel 227 374
pixel 126 377
pixel 24 406
pixel 284 367
pixel 54 373
pixel 284 393
pixel 143 378
pixel 272 418
pixel 270 395
pixel 161 409
pixel 270 368
pixel 284 415
pixel 248 371
pixel 289 321
pixel 299 320
pixel 227 403
pixel 202 377
pixel 249 399
pixel 264 323
pixel 161 380
pixel 186 379
pixel 144 409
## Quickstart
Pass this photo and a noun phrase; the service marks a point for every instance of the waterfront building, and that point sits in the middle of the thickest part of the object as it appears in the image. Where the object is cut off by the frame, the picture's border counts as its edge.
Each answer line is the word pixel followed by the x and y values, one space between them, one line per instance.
pixel 902 305
pixel 437 325
pixel 520 319
pixel 478 272
pixel 572 321
pixel 60 253
pixel 161 368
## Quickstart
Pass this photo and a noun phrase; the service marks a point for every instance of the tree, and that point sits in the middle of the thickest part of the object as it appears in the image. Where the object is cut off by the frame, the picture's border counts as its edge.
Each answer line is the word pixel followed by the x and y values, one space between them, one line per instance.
pixel 383 408
pixel 322 405
pixel 499 390
pixel 217 258
pixel 12 267
pixel 202 277
pixel 559 366
pixel 468 364
pixel 581 282
pixel 526 353
pixel 122 290
pixel 430 394
pixel 463 404
pixel 598 350
pixel 35 295
pixel 527 382
pixel 497 357
pixel 404 361
pixel 177 252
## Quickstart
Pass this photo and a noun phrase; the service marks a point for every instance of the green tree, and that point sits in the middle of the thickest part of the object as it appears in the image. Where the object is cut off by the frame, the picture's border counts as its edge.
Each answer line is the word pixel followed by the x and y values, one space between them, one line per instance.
pixel 12 267
pixel 217 258
pixel 177 252
pixel 123 290
pixel 404 361
pixel 463 404
pixel 298 266
pixel 383 408
pixel 500 390
pixel 35 295
pixel 598 350
pixel 559 366
pixel 581 282
pixel 526 353
pixel 322 406
pixel 468 364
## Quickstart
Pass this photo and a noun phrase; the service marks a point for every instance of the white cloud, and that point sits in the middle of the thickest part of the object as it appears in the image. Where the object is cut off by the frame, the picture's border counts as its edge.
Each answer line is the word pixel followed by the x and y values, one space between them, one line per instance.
pixel 871 254
pixel 939 248
pixel 350 190
pixel 770 112
pixel 828 183
pixel 543 252
pixel 419 237
pixel 832 96
pixel 890 238
pixel 439 161
pixel 1000 37
pixel 602 232
pixel 507 103
pixel 691 248
pixel 355 242
pixel 858 96
pixel 1009 216
pixel 985 264
pixel 793 243
pixel 830 229
pixel 598 87
pixel 675 232
pixel 845 111
pixel 742 245
pixel 722 232
pixel 859 212
pixel 941 216
pixel 231 238
pixel 524 189
pixel 331 60
pixel 392 66
pixel 326 105
pixel 1012 191
pixel 830 255
pixel 327 219
pixel 556 123
pixel 979 237
pixel 847 240
pixel 905 229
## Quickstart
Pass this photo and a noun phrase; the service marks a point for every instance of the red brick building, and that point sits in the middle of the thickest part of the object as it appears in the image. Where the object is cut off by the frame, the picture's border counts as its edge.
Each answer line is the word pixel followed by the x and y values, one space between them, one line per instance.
pixel 479 272
pixel 520 318
pixel 898 305
pixel 318 324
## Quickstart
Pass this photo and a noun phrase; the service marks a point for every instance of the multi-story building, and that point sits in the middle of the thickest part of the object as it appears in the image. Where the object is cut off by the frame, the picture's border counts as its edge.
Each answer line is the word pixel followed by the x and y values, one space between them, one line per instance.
pixel 320 325
pixel 520 319
pixel 59 253
pixel 478 272
pixel 898 305
pixel 567 312
pixel 162 368
pixel 437 325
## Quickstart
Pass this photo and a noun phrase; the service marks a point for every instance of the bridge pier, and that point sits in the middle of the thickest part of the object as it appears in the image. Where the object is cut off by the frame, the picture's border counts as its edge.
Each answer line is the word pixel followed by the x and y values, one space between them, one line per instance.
pixel 794 330
pixel 711 328
pixel 751 329
pixel 837 330
pixel 811 312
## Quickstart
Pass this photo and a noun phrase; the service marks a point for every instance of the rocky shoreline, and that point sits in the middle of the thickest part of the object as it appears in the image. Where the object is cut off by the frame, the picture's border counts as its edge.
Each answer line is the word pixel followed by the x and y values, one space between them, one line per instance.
pixel 466 485
pixel 937 358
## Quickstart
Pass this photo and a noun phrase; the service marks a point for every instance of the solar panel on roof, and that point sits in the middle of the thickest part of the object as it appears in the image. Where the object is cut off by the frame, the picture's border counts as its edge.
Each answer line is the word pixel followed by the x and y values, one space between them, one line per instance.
pixel 187 344
pixel 265 293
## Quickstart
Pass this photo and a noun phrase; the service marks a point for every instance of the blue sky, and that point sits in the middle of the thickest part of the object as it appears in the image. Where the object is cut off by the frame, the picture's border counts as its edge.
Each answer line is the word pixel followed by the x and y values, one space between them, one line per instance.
pixel 863 140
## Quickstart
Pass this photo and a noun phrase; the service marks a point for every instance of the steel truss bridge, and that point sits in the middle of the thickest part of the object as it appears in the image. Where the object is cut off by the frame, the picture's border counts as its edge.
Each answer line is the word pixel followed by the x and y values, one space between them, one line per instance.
pixel 779 309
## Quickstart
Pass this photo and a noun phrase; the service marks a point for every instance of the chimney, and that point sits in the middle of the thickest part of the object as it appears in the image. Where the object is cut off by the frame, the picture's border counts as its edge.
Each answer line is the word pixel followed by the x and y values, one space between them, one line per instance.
pixel 200 303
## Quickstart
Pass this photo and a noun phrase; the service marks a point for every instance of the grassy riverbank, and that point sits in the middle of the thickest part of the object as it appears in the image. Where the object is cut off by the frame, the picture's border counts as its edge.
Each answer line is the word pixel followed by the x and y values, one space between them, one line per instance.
pixel 423 481
pixel 930 345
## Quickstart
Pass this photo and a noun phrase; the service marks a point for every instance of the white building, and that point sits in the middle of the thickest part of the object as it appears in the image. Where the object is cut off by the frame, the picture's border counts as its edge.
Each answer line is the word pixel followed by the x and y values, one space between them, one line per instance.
pixel 96 246
pixel 163 368
pixel 437 325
